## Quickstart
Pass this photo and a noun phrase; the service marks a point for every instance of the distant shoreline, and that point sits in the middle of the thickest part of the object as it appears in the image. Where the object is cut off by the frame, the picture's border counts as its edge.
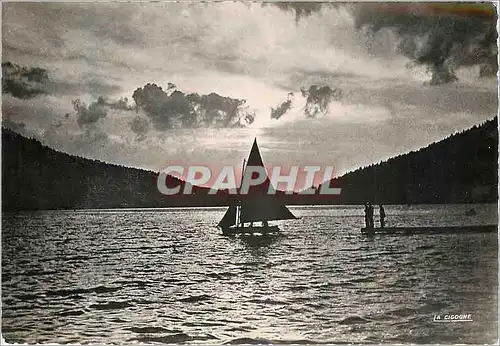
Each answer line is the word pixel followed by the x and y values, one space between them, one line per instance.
pixel 222 207
pixel 451 171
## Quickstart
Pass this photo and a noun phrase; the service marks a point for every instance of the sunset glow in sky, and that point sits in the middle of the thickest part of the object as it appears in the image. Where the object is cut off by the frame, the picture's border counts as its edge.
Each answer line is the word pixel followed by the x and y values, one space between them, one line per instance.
pixel 398 90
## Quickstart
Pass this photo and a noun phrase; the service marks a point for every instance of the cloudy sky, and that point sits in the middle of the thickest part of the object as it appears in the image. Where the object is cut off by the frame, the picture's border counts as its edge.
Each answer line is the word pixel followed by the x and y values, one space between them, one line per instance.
pixel 339 84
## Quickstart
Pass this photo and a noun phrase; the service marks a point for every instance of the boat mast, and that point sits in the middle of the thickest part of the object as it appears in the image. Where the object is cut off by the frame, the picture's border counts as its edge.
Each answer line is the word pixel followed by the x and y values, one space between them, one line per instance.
pixel 238 207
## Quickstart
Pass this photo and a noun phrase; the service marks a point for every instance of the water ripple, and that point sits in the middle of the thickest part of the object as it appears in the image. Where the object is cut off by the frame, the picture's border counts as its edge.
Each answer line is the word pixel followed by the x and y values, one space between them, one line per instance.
pixel 168 276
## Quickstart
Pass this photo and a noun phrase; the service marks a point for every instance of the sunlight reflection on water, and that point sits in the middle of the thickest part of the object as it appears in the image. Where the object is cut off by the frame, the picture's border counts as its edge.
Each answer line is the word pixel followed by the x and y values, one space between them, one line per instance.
pixel 169 276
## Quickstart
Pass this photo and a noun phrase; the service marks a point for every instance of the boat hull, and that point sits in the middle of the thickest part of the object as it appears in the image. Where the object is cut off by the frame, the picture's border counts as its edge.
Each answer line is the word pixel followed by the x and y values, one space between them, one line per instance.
pixel 251 230
pixel 431 230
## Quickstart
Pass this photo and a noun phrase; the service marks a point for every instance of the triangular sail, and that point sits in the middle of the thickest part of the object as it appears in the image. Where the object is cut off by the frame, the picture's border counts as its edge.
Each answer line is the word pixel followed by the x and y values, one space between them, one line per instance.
pixel 258 204
pixel 255 160
pixel 229 218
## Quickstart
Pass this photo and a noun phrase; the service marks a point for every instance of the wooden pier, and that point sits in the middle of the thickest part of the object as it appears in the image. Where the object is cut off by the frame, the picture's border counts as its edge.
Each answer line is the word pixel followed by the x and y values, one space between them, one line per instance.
pixel 431 230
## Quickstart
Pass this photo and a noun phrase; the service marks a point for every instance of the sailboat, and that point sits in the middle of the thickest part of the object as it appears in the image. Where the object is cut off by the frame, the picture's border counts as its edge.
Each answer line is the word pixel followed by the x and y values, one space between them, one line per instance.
pixel 257 206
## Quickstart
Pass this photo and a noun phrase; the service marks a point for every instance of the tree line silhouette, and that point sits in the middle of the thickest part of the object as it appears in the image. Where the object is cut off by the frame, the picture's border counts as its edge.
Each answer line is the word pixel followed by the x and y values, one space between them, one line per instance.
pixel 36 177
pixel 459 169
pixel 462 168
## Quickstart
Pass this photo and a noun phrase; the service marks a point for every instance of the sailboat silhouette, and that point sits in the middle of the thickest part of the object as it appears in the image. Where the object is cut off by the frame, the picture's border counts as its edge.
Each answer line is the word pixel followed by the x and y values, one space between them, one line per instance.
pixel 258 205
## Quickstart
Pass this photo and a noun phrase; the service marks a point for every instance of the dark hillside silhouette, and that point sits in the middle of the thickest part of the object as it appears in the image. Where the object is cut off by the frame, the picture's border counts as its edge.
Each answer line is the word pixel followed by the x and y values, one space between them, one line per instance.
pixel 36 177
pixel 459 169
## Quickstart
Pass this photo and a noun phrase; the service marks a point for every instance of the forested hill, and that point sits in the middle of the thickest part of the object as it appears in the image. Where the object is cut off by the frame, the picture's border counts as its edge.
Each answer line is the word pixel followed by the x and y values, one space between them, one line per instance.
pixel 462 168
pixel 458 169
pixel 37 177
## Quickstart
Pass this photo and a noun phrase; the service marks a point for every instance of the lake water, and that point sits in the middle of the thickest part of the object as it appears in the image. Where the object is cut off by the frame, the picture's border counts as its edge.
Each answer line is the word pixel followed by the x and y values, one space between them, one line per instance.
pixel 169 276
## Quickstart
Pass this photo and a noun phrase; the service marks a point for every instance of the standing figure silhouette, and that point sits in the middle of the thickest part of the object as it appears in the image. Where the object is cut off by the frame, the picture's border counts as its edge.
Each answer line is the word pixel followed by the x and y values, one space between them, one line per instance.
pixel 382 216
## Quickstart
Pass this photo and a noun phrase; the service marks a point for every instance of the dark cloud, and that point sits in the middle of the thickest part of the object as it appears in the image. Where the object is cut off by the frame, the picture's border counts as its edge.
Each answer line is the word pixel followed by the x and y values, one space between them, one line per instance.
pixel 172 108
pixel 283 108
pixel 28 82
pixel 19 127
pixel 301 8
pixel 140 126
pixel 442 37
pixel 97 110
pixel 91 114
pixel 23 82
pixel 319 99
pixel 93 141
pixel 121 104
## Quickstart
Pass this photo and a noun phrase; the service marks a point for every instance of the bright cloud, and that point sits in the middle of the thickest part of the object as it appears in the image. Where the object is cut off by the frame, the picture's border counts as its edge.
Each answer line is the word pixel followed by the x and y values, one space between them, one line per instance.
pixel 260 54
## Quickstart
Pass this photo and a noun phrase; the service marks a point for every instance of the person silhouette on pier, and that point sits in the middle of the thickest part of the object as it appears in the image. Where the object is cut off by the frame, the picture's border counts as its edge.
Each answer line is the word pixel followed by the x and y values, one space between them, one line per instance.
pixel 382 216
pixel 367 222
pixel 368 215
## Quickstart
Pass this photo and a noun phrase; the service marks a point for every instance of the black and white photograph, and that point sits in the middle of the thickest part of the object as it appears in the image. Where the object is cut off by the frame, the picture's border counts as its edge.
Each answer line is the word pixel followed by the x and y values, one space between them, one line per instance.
pixel 237 172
